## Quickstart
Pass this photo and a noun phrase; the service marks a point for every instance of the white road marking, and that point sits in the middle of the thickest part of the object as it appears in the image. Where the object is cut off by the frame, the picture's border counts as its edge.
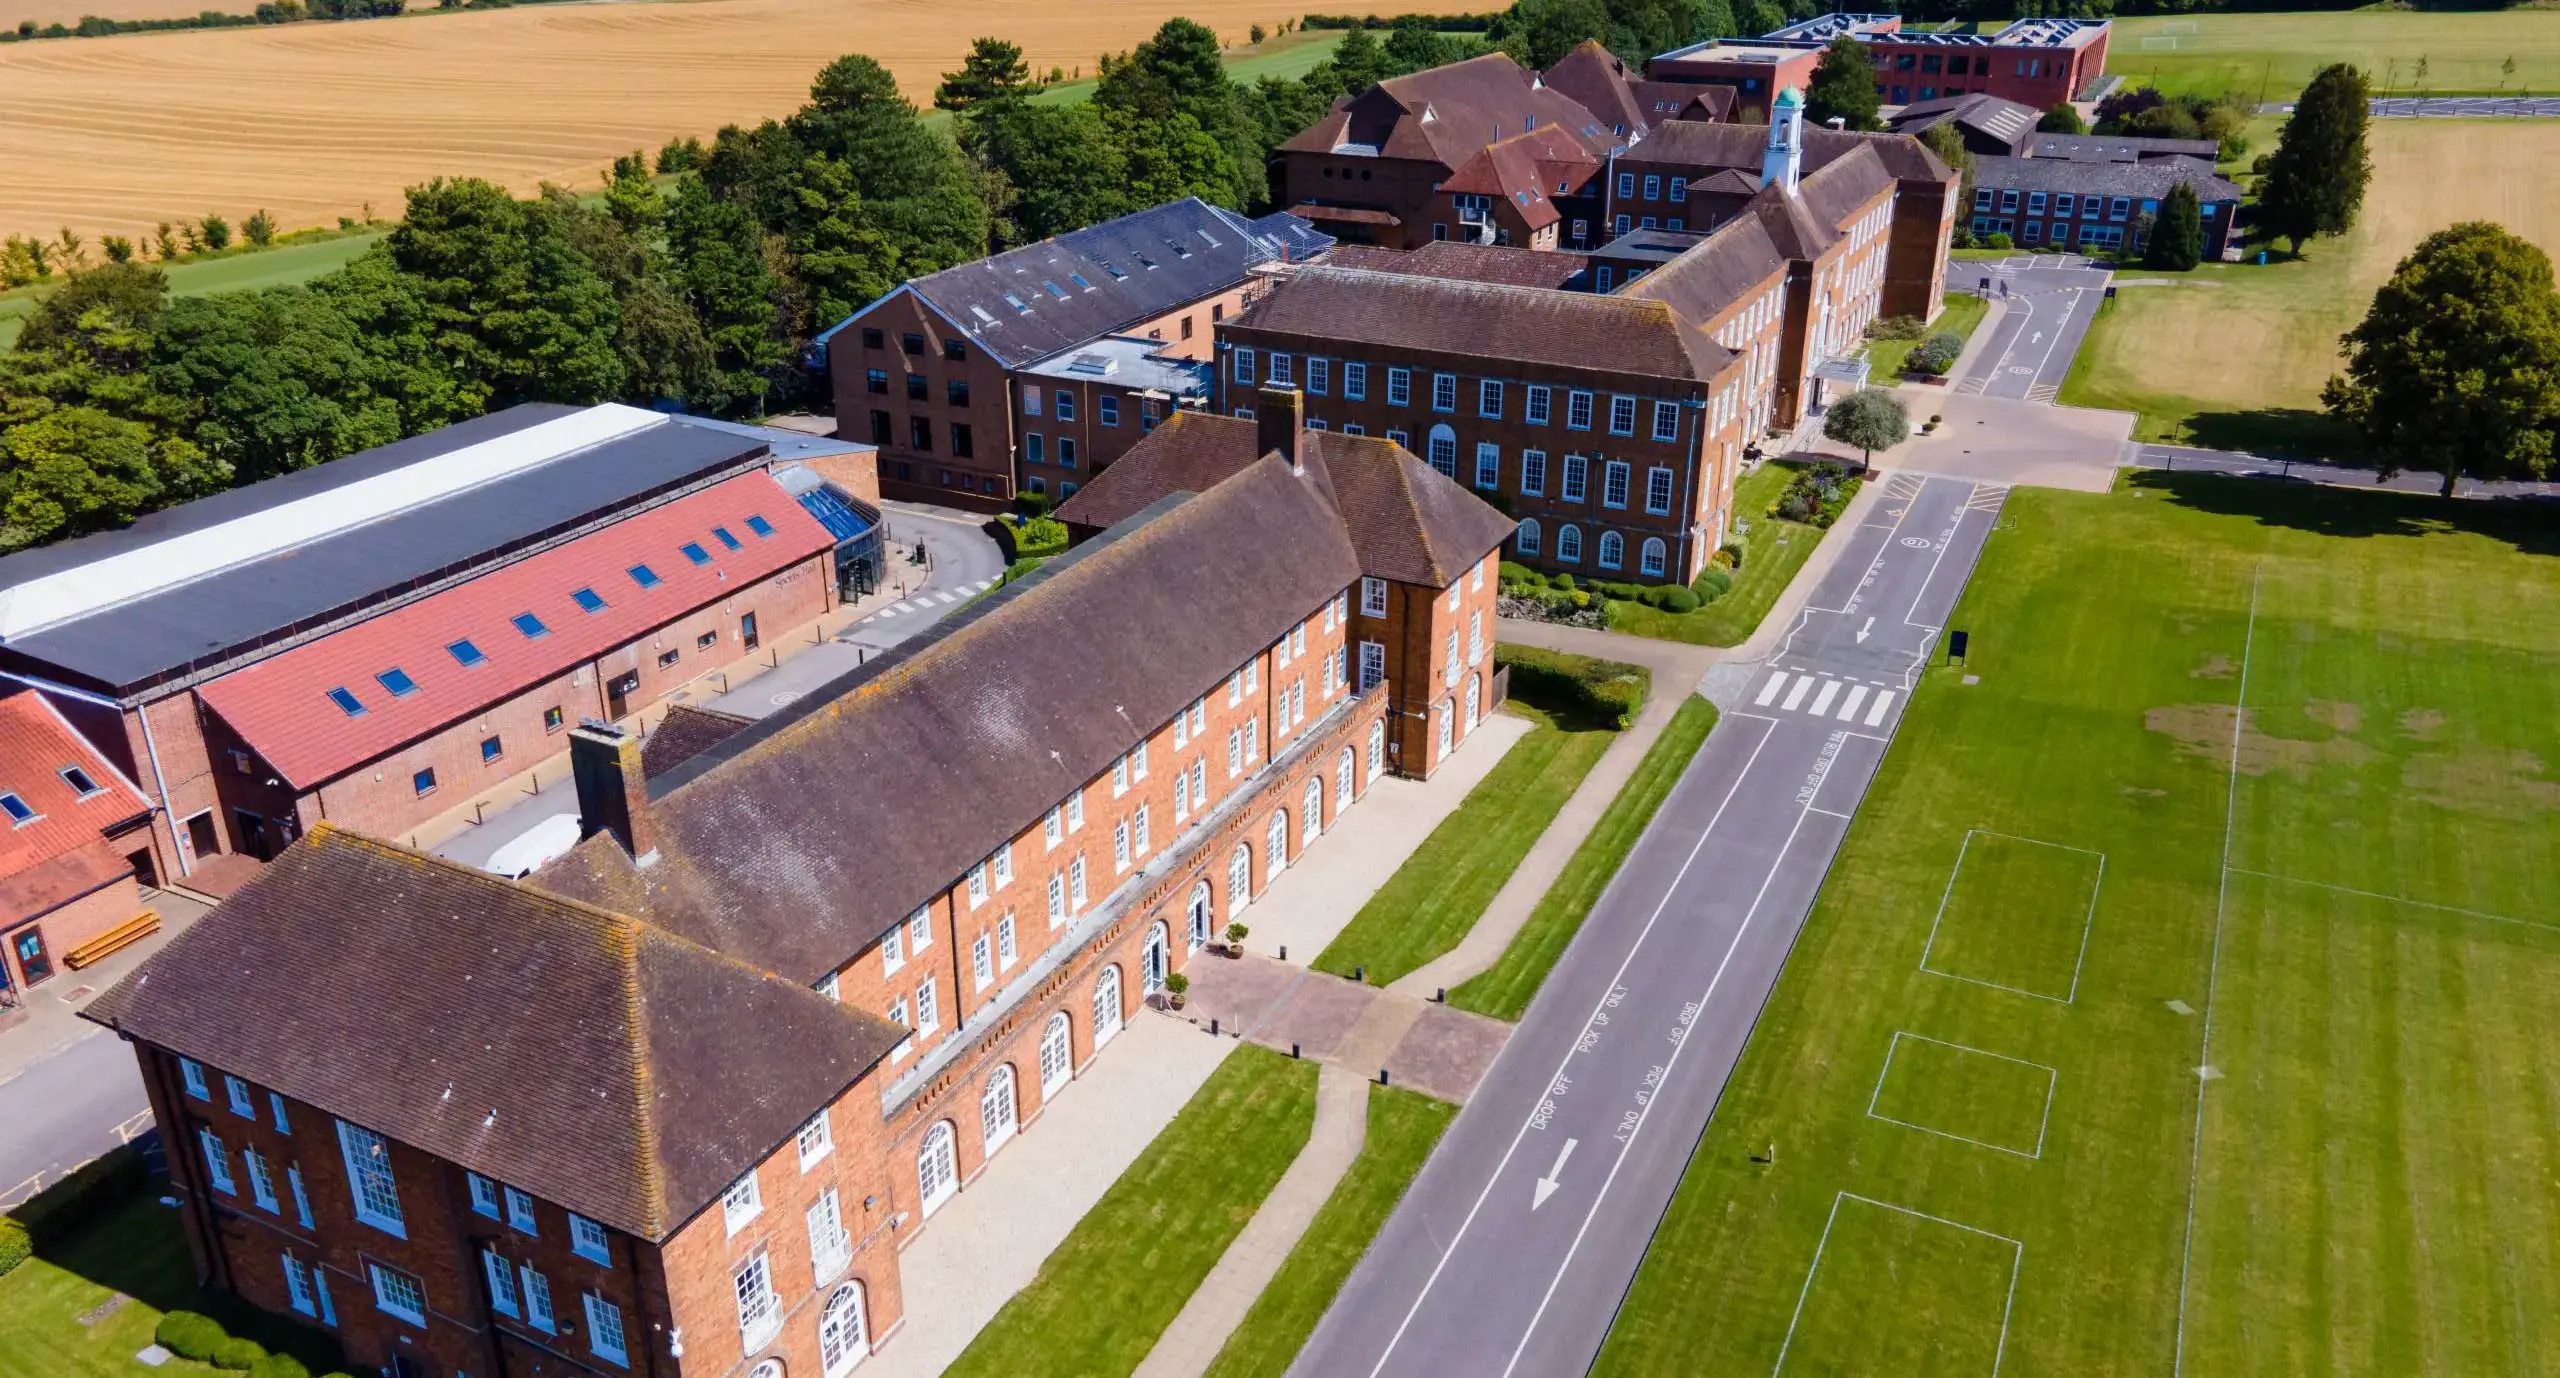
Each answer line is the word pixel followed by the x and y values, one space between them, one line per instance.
pixel 1546 1186
pixel 1795 696
pixel 950 597
pixel 1884 700
pixel 1849 707
pixel 1770 690
pixel 1822 701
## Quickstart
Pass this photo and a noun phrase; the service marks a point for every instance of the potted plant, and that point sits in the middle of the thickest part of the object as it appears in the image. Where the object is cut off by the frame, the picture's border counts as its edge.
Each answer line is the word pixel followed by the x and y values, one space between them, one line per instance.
pixel 1235 939
pixel 1176 986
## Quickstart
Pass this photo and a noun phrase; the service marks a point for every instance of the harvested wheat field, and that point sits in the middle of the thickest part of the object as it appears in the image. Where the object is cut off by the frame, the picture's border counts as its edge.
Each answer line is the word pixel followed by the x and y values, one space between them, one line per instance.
pixel 313 121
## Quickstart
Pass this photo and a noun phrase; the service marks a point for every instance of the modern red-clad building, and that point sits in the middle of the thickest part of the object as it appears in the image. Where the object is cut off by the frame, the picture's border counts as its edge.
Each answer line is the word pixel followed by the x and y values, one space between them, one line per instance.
pixel 75 840
pixel 2035 62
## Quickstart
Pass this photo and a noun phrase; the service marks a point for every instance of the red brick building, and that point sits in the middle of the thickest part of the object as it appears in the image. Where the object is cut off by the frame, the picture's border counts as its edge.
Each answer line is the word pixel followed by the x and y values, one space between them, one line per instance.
pixel 793 991
pixel 78 832
pixel 2035 62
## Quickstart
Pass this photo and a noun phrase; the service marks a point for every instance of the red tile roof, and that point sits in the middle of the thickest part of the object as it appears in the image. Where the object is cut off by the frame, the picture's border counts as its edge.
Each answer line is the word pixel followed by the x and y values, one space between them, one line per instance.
pixel 58 854
pixel 280 705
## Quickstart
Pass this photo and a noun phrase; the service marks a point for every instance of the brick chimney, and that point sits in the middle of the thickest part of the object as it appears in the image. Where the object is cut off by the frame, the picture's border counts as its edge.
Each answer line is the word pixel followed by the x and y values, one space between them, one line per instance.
pixel 1279 424
pixel 612 792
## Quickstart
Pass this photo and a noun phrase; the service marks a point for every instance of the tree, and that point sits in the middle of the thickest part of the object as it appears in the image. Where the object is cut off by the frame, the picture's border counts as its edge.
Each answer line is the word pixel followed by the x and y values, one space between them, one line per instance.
pixel 77 469
pixel 716 259
pixel 2456 367
pixel 2061 117
pixel 1870 418
pixel 1538 32
pixel 1945 140
pixel 260 227
pixel 1761 16
pixel 1065 165
pixel 993 74
pixel 216 232
pixel 1178 72
pixel 523 316
pixel 2315 182
pixel 2177 233
pixel 1843 87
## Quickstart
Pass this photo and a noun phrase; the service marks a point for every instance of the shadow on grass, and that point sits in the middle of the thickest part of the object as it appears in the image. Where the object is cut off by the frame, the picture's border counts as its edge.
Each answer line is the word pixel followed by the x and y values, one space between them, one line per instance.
pixel 2277 432
pixel 2530 525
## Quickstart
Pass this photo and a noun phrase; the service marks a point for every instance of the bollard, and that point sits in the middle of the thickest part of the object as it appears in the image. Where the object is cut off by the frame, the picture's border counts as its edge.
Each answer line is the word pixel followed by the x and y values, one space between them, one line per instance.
pixel 1382 1076
pixel 1360 973
pixel 1284 952
pixel 1440 996
pixel 1293 1050
pixel 1213 1026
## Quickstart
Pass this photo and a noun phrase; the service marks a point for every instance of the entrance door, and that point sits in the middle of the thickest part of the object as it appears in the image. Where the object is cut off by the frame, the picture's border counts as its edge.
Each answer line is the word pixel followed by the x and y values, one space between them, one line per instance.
pixel 1197 932
pixel 1106 1007
pixel 617 695
pixel 144 870
pixel 27 945
pixel 1153 963
pixel 747 631
pixel 937 1168
pixel 251 831
pixel 1057 1056
pixel 202 839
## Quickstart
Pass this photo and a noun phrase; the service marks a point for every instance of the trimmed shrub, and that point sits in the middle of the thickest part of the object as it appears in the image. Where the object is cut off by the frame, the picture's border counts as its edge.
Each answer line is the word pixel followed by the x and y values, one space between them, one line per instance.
pixel 1711 584
pixel 237 1354
pixel 1031 504
pixel 1998 241
pixel 1935 355
pixel 1606 691
pixel 1523 575
pixel 1680 598
pixel 190 1336
pixel 15 1246
pixel 1732 551
pixel 1564 581
pixel 279 1366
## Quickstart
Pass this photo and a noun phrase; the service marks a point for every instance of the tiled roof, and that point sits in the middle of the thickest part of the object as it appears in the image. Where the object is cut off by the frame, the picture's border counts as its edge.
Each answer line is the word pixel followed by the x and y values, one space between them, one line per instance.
pixel 1663 101
pixel 1526 170
pixel 2151 178
pixel 1448 258
pixel 687 731
pixel 2118 148
pixel 1835 191
pixel 2005 121
pixel 281 705
pixel 1445 114
pixel 593 1061
pixel 796 842
pixel 1407 520
pixel 1600 81
pixel 1028 303
pixel 1741 146
pixel 1348 215
pixel 1903 155
pixel 1579 330
pixel 59 853
pixel 1715 273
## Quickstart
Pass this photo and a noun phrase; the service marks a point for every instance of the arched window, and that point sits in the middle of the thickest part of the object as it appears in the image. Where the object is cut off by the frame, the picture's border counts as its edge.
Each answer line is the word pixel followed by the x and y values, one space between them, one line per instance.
pixel 1377 748
pixel 937 1168
pixel 1612 550
pixel 1525 540
pixel 843 1338
pixel 1651 561
pixel 1444 450
pixel 1447 725
pixel 770 1368
pixel 1057 1055
pixel 1311 811
pixel 1106 1006
pixel 1239 879
pixel 1344 772
pixel 1200 915
pixel 1569 544
pixel 1475 701
pixel 997 1113
pixel 1275 847
pixel 1154 960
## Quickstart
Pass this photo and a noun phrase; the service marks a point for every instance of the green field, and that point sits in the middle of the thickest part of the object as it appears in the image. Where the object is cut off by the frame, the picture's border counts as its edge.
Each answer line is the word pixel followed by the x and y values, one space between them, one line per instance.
pixel 1963 312
pixel 2081 880
pixel 2272 56
pixel 281 266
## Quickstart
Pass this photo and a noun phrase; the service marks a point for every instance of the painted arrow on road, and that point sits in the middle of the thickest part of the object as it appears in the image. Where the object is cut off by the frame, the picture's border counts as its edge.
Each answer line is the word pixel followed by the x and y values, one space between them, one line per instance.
pixel 1863 631
pixel 1547 1185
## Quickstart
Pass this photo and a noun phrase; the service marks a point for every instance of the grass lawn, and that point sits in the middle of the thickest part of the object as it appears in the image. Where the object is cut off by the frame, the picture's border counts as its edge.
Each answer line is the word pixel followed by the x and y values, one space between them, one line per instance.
pixel 1440 891
pixel 1504 989
pixel 2255 780
pixel 277 267
pixel 1106 1293
pixel 1403 1127
pixel 1772 551
pixel 1962 313
pixel 60 1317
pixel 2272 56
pixel 2234 355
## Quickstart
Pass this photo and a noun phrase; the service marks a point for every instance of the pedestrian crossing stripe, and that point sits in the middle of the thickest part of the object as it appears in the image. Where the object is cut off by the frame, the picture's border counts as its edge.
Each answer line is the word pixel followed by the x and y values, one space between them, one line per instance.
pixel 1824 691
pixel 1822 701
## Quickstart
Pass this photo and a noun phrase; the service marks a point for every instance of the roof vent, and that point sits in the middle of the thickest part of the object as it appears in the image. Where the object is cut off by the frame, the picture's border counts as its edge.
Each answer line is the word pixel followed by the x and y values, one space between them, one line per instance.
pixel 1100 365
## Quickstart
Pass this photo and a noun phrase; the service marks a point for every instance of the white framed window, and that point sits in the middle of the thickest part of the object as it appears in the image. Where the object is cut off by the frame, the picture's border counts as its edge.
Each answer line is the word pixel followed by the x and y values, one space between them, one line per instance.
pixel 1182 795
pixel 1534 407
pixel 1533 473
pixel 1652 560
pixel 1200 716
pixel 929 1009
pixel 842 1340
pixel 1489 397
pixel 977 885
pixel 742 1203
pixel 982 961
pixel 1075 812
pixel 1244 367
pixel 833 986
pixel 1057 899
pixel 320 1294
pixel 1475 636
pixel 1031 401
pixel 236 1092
pixel 1622 415
pixel 815 1141
pixel 1138 762
pixel 1355 381
pixel 1253 739
pixel 1119 777
pixel 1612 549
pixel 262 1183
pixel 893 949
pixel 1120 845
pixel 1076 894
pixel 1235 752
pixel 604 1330
pixel 1279 373
pixel 1235 688
pixel 1657 491
pixel 1054 827
pixel 1002 865
pixel 1373 664
pixel 587 1240
pixel 1252 676
pixel 275 1107
pixel 369 1181
pixel 1613 484
pixel 1525 539
pixel 1319 375
pixel 1666 421
pixel 1181 729
pixel 920 930
pixel 1577 411
pixel 1373 597
pixel 759 1309
pixel 1138 830
pixel 1399 387
pixel 1476 581
pixel 301 1198
pixel 217 1163
pixel 1569 544
pixel 396 1293
pixel 1200 784
pixel 1488 464
pixel 537 1299
pixel 485 1197
pixel 1006 952
pixel 502 1283
pixel 520 1211
pixel 297 1286
pixel 830 1248
pixel 192 1072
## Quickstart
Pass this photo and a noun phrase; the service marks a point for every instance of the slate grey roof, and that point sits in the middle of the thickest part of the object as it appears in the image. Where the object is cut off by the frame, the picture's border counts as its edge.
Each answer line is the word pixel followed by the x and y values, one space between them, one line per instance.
pixel 599 1063
pixel 2001 120
pixel 1029 303
pixel 796 842
pixel 2118 148
pixel 1714 273
pixel 2151 179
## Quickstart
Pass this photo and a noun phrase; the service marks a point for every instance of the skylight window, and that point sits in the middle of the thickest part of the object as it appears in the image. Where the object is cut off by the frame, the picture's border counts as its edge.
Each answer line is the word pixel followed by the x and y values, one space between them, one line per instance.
pixel 760 526
pixel 725 538
pixel 80 782
pixel 1017 303
pixel 530 625
pixel 1114 270
pixel 347 701
pixel 1054 289
pixel 396 682
pixel 465 653
pixel 644 576
pixel 693 551
pixel 19 813
pixel 1078 280
pixel 587 600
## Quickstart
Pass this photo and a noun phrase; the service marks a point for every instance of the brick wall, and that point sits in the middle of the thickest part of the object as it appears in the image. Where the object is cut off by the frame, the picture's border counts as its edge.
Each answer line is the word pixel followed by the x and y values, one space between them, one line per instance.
pixel 69 925
pixel 1405 188
pixel 913 340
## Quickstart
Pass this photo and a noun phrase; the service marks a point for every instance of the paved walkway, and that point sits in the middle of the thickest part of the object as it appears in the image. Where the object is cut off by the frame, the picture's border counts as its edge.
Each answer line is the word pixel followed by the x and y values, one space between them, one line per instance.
pixel 1431 1048
pixel 989 1241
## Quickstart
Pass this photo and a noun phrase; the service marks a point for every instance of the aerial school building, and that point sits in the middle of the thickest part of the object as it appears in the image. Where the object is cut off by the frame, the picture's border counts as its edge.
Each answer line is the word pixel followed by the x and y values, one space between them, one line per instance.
pixel 674 1104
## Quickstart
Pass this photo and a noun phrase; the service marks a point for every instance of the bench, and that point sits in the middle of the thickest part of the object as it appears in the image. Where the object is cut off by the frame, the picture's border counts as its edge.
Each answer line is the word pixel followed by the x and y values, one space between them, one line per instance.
pixel 114 940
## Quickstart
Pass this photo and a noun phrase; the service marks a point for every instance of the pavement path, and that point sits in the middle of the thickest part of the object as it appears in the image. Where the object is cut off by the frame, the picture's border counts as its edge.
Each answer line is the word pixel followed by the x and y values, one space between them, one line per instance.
pixel 2241 464
pixel 2445 107
pixel 1515 1245
pixel 2027 351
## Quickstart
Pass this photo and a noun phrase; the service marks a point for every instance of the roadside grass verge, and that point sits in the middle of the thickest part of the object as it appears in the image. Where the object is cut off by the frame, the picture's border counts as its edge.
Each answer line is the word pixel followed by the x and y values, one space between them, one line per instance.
pixel 1504 989
pixel 1773 550
pixel 1403 1128
pixel 1963 314
pixel 1105 1295
pixel 1440 891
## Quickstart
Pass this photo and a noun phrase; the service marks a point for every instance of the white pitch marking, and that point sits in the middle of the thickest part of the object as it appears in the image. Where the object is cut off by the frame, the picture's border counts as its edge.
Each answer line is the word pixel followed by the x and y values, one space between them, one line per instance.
pixel 1796 695
pixel 1770 690
pixel 1822 701
pixel 1849 706
pixel 1884 700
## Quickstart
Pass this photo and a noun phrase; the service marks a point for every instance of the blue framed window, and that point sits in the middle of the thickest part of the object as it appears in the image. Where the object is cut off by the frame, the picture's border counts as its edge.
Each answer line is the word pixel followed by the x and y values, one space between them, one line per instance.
pixel 491 749
pixel 19 812
pixel 587 600
pixel 466 653
pixel 644 576
pixel 725 538
pixel 760 526
pixel 694 552
pixel 396 682
pixel 347 701
pixel 530 625
pixel 424 782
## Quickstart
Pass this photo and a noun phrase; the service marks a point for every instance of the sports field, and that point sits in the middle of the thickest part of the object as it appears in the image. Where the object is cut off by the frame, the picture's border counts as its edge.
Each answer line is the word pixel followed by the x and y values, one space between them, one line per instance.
pixel 2180 1001
pixel 2272 56
pixel 2232 356
pixel 312 121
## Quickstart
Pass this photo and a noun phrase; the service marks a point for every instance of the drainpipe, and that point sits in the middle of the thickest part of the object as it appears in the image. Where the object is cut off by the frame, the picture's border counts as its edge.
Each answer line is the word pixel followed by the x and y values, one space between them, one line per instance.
pixel 150 750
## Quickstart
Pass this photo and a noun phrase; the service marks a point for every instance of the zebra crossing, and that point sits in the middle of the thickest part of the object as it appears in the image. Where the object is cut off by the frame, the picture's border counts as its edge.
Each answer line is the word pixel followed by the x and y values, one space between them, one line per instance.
pixel 1987 498
pixel 1817 696
pixel 926 602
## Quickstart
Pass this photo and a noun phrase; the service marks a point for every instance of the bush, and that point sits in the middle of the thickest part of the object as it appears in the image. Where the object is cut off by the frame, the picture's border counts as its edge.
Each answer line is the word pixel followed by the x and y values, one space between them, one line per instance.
pixel 1817 495
pixel 1711 584
pixel 1606 691
pixel 15 1246
pixel 238 1354
pixel 1936 354
pixel 279 1366
pixel 1564 581
pixel 1732 552
pixel 1897 328
pixel 1998 241
pixel 1031 504
pixel 1032 538
pixel 1673 598
pixel 190 1336
pixel 1522 574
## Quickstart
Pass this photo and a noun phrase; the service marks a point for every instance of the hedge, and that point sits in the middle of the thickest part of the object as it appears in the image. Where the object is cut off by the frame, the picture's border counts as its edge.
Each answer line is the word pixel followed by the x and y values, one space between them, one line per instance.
pixel 15 1246
pixel 1610 692
pixel 1035 538
pixel 238 1354
pixel 191 1336
pixel 279 1366
pixel 68 1204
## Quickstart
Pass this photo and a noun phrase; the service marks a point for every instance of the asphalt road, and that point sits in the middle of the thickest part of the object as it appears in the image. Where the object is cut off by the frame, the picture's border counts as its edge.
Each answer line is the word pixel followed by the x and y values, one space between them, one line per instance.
pixel 65 1110
pixel 1510 1254
pixel 2241 464
pixel 2051 300
pixel 2445 107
